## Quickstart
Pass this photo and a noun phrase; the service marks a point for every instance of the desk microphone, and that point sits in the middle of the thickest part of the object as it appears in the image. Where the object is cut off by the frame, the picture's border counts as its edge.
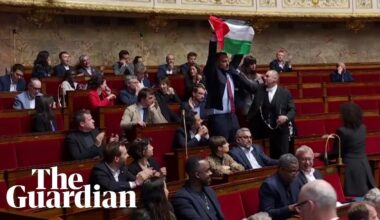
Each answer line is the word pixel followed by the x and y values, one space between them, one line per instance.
pixel 328 137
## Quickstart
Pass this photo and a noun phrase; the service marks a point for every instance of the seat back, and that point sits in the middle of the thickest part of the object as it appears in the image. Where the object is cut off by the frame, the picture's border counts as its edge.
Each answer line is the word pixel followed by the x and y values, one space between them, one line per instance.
pixel 250 198
pixel 7 99
pixel 109 119
pixel 334 180
pixel 232 206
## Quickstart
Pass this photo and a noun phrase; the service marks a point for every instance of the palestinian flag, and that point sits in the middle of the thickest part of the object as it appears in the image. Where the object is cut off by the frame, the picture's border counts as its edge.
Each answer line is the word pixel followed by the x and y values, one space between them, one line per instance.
pixel 234 37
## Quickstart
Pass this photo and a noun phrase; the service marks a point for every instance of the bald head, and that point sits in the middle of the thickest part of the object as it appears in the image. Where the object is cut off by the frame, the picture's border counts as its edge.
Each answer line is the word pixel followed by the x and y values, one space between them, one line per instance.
pixel 34 87
pixel 271 78
pixel 170 59
pixel 321 192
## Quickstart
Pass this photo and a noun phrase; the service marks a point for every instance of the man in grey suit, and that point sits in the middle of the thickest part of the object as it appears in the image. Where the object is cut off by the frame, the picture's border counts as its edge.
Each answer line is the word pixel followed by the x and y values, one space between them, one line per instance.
pixel 247 154
pixel 27 99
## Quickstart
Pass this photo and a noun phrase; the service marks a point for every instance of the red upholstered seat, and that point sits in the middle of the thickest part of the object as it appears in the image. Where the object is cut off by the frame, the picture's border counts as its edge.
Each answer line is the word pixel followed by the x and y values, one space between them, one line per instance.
pixel 372 144
pixel 367 77
pixel 250 200
pixel 312 92
pixel 310 108
pixel 232 206
pixel 3 195
pixel 109 119
pixel 334 180
pixel 116 82
pixel 38 151
pixel 50 86
pixel 333 106
pixel 338 91
pixel 7 99
pixel 310 127
pixel 294 92
pixel 306 78
pixel 289 78
pixel 11 125
pixel 362 90
pixel 178 83
pixel 332 124
pixel 8 156
pixel 368 105
pixel 372 123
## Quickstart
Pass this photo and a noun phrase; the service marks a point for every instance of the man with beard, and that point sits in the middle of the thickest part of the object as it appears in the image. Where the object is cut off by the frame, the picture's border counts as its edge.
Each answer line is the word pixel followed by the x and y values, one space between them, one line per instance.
pixel 195 200
pixel 197 101
pixel 112 174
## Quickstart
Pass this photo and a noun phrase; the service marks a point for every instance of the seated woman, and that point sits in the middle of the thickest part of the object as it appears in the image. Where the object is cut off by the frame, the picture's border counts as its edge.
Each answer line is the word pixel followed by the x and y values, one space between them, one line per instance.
pixel 42 66
pixel 192 78
pixel 197 134
pixel 100 94
pixel 154 204
pixel 142 152
pixel 358 174
pixel 341 74
pixel 220 162
pixel 44 119
pixel 166 93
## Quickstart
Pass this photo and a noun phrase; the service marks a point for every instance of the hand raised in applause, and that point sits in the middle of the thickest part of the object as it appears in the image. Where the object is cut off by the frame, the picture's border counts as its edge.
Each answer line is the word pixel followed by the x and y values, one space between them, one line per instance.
pixel 203 131
pixel 99 139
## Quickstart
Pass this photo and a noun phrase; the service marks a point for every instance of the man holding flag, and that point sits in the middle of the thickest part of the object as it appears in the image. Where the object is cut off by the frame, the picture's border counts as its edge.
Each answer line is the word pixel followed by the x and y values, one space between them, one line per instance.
pixel 222 76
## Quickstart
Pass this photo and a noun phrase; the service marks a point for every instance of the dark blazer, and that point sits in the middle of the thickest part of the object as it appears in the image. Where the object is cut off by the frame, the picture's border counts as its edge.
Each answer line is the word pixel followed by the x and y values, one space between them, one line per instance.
pixel 40 71
pixel 202 107
pixel 216 78
pixel 184 68
pixel 128 98
pixel 301 178
pixel 239 156
pixel 163 101
pixel 274 65
pixel 346 76
pixel 102 176
pixel 76 148
pixel 83 70
pixel 146 82
pixel 5 84
pixel 187 207
pixel 179 140
pixel 282 102
pixel 162 71
pixel 41 124
pixel 134 168
pixel 273 197
pixel 358 174
pixel 59 70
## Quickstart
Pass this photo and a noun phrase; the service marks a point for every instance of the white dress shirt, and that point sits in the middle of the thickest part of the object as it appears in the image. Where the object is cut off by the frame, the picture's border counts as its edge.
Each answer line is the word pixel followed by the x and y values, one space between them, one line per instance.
pixel 13 86
pixel 116 173
pixel 309 175
pixel 226 102
pixel 271 92
pixel 252 160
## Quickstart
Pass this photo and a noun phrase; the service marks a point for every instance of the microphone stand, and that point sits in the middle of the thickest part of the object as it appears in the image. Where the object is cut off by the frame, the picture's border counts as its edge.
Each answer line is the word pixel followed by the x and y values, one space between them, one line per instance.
pixel 332 136
pixel 185 128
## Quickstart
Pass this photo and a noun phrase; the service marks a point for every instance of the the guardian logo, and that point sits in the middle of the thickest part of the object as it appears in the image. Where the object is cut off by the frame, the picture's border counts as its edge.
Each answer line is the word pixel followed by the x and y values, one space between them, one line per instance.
pixel 67 194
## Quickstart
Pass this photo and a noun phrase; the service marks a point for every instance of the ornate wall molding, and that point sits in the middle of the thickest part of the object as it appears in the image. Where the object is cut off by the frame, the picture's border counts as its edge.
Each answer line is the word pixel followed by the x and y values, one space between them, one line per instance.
pixel 316 4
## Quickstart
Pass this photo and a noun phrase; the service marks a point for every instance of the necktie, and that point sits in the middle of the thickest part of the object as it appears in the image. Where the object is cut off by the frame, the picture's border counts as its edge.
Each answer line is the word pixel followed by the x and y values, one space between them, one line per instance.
pixel 145 114
pixel 230 96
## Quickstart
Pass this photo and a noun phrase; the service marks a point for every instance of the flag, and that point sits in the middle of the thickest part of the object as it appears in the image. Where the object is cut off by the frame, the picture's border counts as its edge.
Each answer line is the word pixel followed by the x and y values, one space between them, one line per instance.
pixel 234 37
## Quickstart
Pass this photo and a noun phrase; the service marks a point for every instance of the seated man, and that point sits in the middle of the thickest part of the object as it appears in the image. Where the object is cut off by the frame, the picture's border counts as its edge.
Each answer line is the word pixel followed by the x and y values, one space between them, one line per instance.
pixel 362 211
pixel 168 68
pixel 128 96
pixel 123 66
pixel 85 69
pixel 279 64
pixel 27 99
pixel 60 69
pixel 341 74
pixel 317 201
pixel 247 154
pixel 305 156
pixel 112 174
pixel 86 141
pixel 14 81
pixel 279 193
pixel 145 111
pixel 197 102
pixel 195 200
pixel 140 72
pixel 220 162
pixel 197 134
pixel 191 60
pixel 373 196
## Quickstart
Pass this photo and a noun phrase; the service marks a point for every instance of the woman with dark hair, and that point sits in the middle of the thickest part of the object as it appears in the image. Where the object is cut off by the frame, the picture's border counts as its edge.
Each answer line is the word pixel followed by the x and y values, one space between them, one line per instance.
pixel 100 94
pixel 357 174
pixel 192 78
pixel 142 153
pixel 165 96
pixel 44 119
pixel 42 66
pixel 137 59
pixel 154 195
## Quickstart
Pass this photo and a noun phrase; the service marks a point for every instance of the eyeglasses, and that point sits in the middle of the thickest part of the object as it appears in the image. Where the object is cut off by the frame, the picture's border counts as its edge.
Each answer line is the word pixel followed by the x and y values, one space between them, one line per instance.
pixel 246 137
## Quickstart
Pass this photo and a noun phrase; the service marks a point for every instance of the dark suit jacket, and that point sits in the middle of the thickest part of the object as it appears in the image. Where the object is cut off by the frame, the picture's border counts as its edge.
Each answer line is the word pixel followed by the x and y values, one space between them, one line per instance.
pixel 216 78
pixel 146 82
pixel 134 168
pixel 83 70
pixel 59 70
pixel 273 197
pixel 179 140
pixel 128 98
pixel 5 84
pixel 162 101
pixel 282 102
pixel 346 76
pixel 41 124
pixel 40 71
pixel 202 107
pixel 184 68
pixel 162 71
pixel 275 66
pixel 301 178
pixel 102 176
pixel 76 148
pixel 187 207
pixel 239 156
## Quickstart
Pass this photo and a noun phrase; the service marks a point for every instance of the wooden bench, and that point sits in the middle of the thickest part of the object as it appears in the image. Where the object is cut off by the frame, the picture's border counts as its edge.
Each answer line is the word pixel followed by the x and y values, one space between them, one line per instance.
pixel 7 99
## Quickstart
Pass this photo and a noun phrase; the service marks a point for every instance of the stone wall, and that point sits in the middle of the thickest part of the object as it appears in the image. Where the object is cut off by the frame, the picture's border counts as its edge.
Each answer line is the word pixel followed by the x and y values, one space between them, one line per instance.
pixel 103 38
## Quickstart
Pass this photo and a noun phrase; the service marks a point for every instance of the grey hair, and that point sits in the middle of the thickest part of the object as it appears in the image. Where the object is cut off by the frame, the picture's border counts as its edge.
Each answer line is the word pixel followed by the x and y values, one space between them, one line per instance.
pixel 81 58
pixel 373 195
pixel 286 160
pixel 260 216
pixel 303 150
pixel 129 78
pixel 321 193
pixel 241 130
